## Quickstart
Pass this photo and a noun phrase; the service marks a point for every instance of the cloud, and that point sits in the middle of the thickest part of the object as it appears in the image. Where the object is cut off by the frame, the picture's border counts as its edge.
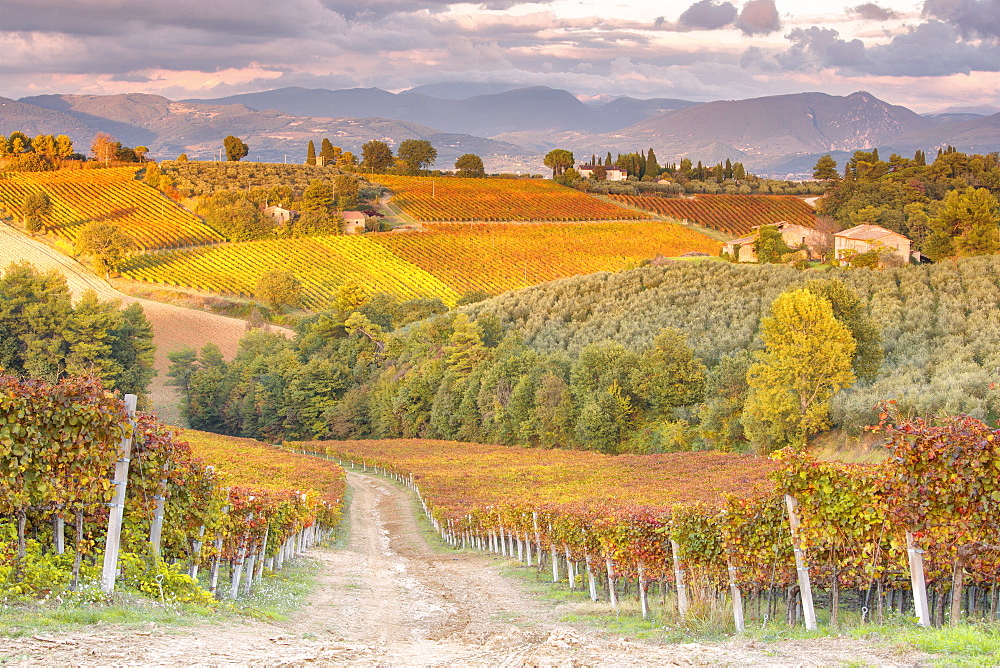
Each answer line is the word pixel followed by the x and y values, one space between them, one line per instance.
pixel 931 49
pixel 872 12
pixel 759 17
pixel 707 15
pixel 972 18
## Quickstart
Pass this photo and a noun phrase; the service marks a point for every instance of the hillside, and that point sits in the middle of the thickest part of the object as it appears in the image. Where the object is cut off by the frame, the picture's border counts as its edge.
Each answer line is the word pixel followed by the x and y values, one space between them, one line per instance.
pixel 938 323
pixel 81 196
pixel 443 261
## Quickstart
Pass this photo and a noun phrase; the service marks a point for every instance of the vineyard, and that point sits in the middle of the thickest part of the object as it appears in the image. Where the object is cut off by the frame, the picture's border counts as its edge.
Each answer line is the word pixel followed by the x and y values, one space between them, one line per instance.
pixel 454 199
pixel 736 215
pixel 702 524
pixel 443 261
pixel 252 508
pixel 322 264
pixel 82 196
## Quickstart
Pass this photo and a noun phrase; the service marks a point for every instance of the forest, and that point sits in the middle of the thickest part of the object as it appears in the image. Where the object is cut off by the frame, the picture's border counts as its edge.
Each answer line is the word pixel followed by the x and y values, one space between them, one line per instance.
pixel 653 359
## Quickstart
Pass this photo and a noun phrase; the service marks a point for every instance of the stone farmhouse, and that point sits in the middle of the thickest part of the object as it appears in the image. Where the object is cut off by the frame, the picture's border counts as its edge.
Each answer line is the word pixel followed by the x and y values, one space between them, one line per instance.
pixel 795 236
pixel 865 237
pixel 281 215
pixel 354 222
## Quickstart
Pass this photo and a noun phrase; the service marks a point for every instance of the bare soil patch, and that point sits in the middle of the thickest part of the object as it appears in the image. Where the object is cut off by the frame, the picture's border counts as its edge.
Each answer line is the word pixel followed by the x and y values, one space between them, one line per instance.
pixel 390 598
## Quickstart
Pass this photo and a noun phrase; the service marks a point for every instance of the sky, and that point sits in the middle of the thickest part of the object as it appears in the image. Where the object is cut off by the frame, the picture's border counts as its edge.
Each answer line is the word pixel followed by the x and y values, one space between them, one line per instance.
pixel 925 54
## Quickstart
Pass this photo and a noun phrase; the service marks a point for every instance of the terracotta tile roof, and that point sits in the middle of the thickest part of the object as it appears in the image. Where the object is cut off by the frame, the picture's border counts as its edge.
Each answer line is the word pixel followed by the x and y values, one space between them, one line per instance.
pixel 868 232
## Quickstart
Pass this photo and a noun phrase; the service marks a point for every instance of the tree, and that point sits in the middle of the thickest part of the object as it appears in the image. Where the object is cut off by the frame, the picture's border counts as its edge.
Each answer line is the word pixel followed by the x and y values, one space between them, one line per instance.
pixel 278 288
pixel 107 243
pixel 559 160
pixel 236 150
pixel 183 157
pixel 851 312
pixel 826 169
pixel 20 143
pixel 140 152
pixel 104 147
pixel 806 360
pixel 328 153
pixel 64 146
pixel 966 224
pixel 470 165
pixel 769 245
pixel 35 206
pixel 418 154
pixel 669 375
pixel 376 156
pixel 318 196
pixel 652 166
pixel 311 153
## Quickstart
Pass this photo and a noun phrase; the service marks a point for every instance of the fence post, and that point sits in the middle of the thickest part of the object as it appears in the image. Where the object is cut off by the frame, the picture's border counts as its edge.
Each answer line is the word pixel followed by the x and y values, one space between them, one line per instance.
pixel 916 558
pixel 805 591
pixel 112 542
pixel 737 597
pixel 682 599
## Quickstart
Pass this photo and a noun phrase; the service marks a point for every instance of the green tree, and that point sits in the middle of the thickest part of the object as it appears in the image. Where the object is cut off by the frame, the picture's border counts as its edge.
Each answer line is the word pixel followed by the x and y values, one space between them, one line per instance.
pixel 376 156
pixel 465 348
pixel 329 153
pixel 769 245
pixel 559 160
pixel 826 169
pixel 806 360
pixel 311 153
pixel 418 154
pixel 851 312
pixel 108 244
pixel 278 287
pixel 966 224
pixel 318 196
pixel 652 166
pixel 236 149
pixel 470 165
pixel 33 208
pixel 668 375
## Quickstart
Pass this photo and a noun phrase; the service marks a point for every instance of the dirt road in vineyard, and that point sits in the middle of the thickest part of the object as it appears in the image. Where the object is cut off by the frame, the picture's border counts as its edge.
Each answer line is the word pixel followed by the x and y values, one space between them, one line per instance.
pixel 390 599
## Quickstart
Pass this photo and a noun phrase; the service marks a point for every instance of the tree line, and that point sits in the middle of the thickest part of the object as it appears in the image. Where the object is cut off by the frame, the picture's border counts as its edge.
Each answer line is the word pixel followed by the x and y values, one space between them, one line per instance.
pixel 695 363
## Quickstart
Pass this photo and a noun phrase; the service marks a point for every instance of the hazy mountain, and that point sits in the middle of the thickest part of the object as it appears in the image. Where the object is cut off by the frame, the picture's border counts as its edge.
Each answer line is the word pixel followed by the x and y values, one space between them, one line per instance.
pixel 169 128
pixel 759 129
pixel 16 116
pixel 459 90
pixel 979 110
pixel 979 135
pixel 951 117
pixel 531 109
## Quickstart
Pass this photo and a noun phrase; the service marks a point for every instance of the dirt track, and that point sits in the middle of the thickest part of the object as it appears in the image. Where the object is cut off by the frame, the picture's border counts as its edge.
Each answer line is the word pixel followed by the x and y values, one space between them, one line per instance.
pixel 174 327
pixel 390 599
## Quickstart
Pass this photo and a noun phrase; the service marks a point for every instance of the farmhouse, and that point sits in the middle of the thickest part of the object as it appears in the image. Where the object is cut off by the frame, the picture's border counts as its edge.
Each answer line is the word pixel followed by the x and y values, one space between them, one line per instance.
pixel 354 222
pixel 866 237
pixel 795 236
pixel 611 173
pixel 281 215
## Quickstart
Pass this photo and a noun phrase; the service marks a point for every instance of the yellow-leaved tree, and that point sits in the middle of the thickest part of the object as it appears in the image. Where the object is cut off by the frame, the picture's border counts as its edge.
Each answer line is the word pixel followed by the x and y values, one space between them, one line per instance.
pixel 806 360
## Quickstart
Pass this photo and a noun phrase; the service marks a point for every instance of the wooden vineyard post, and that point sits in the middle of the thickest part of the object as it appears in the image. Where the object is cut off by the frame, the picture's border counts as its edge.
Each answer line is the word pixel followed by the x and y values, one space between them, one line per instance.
pixel 59 532
pixel 805 591
pixel 682 599
pixel 555 564
pixel 642 590
pixel 734 589
pixel 570 568
pixel 916 559
pixel 156 528
pixel 591 580
pixel 538 540
pixel 112 542
pixel 612 594
pixel 196 553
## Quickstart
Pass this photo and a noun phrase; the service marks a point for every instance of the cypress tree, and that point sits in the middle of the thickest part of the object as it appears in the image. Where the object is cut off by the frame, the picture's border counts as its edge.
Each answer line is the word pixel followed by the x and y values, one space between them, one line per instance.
pixel 311 153
pixel 652 166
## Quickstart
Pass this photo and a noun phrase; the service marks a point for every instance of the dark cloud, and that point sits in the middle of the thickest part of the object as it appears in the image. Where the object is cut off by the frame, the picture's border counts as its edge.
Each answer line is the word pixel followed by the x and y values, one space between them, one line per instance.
pixel 872 12
pixel 759 17
pixel 707 15
pixel 973 18
pixel 930 49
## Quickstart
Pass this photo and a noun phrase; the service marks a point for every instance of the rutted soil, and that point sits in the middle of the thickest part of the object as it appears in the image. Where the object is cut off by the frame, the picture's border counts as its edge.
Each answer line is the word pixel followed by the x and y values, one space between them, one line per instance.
pixel 390 599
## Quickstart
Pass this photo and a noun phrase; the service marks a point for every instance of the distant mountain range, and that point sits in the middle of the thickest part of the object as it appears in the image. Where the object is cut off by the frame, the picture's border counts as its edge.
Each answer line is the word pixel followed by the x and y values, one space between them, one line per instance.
pixel 511 128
